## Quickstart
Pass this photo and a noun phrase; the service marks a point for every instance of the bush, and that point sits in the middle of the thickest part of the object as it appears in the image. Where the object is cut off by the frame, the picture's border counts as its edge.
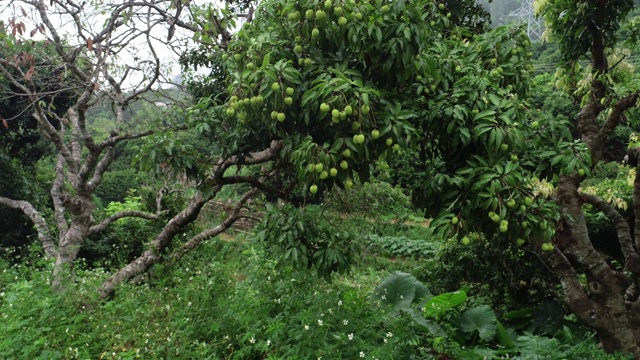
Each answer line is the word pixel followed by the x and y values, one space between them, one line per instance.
pixel 374 198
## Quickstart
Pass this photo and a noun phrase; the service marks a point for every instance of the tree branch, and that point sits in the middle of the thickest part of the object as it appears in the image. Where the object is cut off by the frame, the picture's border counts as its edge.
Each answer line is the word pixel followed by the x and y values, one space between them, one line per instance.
pixel 44 235
pixel 117 216
pixel 210 233
pixel 617 113
pixel 623 231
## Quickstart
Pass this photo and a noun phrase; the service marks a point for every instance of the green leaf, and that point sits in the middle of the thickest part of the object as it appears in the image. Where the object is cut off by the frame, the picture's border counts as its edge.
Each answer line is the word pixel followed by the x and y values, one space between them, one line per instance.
pixel 481 319
pixel 444 303
pixel 398 290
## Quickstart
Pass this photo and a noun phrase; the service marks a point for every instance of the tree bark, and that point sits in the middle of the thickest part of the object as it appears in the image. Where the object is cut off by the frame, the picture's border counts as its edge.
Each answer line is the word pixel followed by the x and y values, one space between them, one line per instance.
pixel 153 253
pixel 44 233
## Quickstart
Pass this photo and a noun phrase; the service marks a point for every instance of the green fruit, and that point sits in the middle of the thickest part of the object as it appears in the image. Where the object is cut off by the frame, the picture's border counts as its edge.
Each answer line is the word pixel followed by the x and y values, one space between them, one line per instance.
pixel 494 61
pixel 259 99
pixel 274 114
pixel 237 57
pixel 581 172
pixel 333 172
pixel 289 91
pixel 230 112
pixel 324 107
pixel 511 203
pixel 544 225
pixel 441 6
pixel 458 68
pixel 328 4
pixel 342 21
pixel 309 14
pixel 319 167
pixel 249 66
pixel 324 175
pixel 465 240
pixel 337 10
pixel 335 113
pixel 288 100
pixel 528 201
pixel 356 139
pixel 281 117
pixel 364 109
pixel 385 9
pixel 358 16
pixel 298 49
pixel 495 218
pixel 321 15
pixel 275 86
pixel 308 62
pixel 225 57
pixel 294 16
pixel 448 15
pixel 514 157
pixel 301 61
pixel 313 189
pixel 355 125
pixel 432 23
pixel 360 138
pixel 343 115
pixel 375 134
pixel 455 221
pixel 344 165
pixel 524 224
pixel 348 184
pixel 504 147
pixel 348 110
pixel 315 32
pixel 523 208
pixel 346 153
pixel 389 141
pixel 396 147
pixel 520 242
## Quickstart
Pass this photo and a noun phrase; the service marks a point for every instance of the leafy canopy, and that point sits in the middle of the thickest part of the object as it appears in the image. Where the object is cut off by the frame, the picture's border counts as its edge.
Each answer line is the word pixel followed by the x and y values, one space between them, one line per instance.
pixel 345 82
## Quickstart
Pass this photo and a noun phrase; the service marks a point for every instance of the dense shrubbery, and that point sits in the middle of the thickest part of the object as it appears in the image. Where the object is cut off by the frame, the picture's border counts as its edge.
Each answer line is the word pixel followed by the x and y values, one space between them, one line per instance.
pixel 229 301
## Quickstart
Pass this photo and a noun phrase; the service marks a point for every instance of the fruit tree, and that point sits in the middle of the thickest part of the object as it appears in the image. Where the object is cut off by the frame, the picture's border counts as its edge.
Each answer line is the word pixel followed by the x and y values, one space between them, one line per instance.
pixel 342 83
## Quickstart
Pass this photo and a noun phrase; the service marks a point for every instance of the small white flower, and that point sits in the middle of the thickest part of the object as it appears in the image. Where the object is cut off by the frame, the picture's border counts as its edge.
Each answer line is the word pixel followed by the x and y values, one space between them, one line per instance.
pixel 385 340
pixel 361 354
pixel 340 303
pixel 268 342
pixel 350 336
pixel 252 340
pixel 306 327
pixel 345 321
pixel 384 297
pixel 389 334
pixel 319 322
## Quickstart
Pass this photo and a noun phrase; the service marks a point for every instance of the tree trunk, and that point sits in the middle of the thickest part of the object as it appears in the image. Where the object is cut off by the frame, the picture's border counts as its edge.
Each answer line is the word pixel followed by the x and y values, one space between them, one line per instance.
pixel 602 304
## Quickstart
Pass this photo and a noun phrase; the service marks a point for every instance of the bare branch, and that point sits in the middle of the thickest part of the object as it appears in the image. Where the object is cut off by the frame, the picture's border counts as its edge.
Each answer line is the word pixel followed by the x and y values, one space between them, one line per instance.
pixel 623 231
pixel 121 215
pixel 220 228
pixel 44 234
